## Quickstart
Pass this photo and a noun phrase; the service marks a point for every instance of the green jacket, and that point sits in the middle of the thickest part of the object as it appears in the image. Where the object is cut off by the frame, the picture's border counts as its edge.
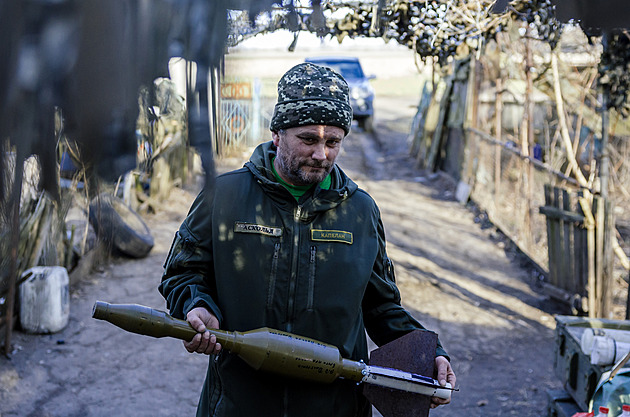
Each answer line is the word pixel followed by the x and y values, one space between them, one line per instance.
pixel 318 268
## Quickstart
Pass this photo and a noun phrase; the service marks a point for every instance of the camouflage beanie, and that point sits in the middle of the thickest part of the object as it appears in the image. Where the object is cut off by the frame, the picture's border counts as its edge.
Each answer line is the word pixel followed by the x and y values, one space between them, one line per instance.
pixel 310 94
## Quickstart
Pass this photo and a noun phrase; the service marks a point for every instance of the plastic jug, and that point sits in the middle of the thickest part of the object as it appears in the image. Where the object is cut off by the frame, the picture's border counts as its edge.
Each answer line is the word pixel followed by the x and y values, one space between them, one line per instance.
pixel 44 299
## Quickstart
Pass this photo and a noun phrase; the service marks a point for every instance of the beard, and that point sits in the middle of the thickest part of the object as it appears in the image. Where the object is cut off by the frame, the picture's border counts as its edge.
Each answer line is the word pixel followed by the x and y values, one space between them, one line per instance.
pixel 298 170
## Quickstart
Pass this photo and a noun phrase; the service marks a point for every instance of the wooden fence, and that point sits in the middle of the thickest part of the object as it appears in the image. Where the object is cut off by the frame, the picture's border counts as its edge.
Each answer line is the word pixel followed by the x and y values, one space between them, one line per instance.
pixel 510 176
pixel 579 230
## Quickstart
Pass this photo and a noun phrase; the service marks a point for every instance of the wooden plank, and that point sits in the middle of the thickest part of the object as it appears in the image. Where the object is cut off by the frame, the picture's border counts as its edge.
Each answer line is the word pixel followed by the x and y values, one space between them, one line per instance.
pixel 557 202
pixel 567 254
pixel 498 129
pixel 13 252
pixel 430 121
pixel 580 251
pixel 470 142
pixel 559 240
pixel 560 214
pixel 497 174
pixel 558 293
pixel 550 251
pixel 599 212
pixel 547 196
pixel 557 196
pixel 418 125
pixel 472 93
pixel 589 222
pixel 607 258
pixel 552 239
pixel 431 162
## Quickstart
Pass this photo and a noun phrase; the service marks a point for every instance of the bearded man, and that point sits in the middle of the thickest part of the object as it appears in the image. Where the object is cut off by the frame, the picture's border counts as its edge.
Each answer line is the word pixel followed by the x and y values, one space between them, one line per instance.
pixel 289 242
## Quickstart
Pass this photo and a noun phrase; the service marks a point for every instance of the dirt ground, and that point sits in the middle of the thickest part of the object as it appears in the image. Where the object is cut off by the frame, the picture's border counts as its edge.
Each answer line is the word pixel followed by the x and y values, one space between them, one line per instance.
pixel 455 272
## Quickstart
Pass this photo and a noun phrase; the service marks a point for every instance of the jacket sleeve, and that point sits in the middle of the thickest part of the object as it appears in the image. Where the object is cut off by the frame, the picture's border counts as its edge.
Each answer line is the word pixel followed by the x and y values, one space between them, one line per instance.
pixel 188 278
pixel 385 318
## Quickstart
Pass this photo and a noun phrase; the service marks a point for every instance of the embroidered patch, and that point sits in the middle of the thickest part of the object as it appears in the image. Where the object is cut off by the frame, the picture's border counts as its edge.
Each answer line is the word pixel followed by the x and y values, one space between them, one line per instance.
pixel 331 236
pixel 242 227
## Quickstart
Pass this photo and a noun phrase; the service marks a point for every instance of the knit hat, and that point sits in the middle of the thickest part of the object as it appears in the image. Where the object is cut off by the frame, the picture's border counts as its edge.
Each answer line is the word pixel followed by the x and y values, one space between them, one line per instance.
pixel 310 94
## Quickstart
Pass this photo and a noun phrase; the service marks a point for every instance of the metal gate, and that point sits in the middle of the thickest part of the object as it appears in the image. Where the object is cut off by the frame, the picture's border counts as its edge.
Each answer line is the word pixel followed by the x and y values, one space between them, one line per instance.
pixel 243 118
pixel 235 123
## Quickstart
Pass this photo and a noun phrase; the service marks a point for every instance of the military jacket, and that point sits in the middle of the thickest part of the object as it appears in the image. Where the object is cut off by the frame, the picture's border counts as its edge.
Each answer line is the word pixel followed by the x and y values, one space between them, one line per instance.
pixel 317 267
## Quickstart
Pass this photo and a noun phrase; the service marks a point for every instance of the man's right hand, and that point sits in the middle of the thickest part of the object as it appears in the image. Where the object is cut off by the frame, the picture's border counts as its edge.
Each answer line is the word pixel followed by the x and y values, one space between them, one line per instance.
pixel 204 341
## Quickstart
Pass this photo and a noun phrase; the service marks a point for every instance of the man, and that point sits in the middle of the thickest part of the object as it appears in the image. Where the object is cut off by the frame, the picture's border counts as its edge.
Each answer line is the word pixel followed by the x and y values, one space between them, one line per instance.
pixel 289 242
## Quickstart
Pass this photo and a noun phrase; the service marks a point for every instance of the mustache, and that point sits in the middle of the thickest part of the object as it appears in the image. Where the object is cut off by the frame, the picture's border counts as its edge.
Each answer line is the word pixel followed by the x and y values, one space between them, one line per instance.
pixel 318 164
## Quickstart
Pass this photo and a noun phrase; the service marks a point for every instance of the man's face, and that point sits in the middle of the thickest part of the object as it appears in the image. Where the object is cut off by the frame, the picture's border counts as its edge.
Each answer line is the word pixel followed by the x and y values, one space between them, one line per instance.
pixel 306 154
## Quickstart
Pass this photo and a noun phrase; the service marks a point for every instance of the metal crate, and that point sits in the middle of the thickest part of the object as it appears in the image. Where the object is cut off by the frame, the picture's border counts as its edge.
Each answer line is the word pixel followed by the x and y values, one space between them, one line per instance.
pixel 571 365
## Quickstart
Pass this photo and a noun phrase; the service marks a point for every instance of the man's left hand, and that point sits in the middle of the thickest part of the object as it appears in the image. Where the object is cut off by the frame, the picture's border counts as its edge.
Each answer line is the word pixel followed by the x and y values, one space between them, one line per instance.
pixel 444 374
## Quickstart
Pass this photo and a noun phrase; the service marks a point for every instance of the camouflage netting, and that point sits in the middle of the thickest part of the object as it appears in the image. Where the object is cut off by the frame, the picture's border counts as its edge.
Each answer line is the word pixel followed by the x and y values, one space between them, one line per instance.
pixel 614 71
pixel 441 29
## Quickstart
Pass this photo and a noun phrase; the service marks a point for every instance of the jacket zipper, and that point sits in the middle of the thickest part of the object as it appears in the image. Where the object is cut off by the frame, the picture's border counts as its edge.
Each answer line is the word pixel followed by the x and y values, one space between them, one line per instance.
pixel 272 277
pixel 311 278
pixel 294 265
pixel 292 285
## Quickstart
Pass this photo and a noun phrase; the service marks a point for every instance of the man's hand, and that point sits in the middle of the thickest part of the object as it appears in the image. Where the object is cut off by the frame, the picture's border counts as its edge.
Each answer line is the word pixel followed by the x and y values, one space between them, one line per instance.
pixel 444 374
pixel 204 341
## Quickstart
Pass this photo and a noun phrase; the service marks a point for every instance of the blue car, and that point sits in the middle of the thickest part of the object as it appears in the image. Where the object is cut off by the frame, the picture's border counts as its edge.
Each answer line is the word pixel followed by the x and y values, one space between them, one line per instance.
pixel 361 92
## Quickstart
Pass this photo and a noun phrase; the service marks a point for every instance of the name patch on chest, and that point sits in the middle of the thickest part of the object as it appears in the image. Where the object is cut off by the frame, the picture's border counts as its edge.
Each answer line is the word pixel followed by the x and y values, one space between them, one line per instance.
pixel 242 227
pixel 331 236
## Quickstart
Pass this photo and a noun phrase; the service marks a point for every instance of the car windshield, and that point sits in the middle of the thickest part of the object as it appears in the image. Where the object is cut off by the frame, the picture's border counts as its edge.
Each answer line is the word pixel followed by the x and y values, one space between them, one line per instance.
pixel 349 70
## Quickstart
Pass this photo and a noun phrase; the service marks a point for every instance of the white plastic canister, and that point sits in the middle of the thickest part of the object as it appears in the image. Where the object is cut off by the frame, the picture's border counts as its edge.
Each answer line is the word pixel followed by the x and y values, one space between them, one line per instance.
pixel 607 351
pixel 44 299
pixel 587 339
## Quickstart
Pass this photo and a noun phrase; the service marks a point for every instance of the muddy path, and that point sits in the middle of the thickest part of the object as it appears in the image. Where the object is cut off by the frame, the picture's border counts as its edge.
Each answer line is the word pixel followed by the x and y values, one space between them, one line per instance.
pixel 455 274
